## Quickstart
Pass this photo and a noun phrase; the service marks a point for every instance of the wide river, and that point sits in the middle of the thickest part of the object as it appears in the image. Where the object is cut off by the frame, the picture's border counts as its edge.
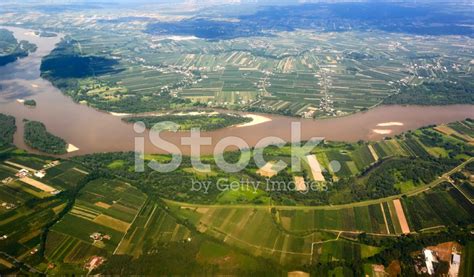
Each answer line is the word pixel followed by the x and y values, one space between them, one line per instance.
pixel 95 131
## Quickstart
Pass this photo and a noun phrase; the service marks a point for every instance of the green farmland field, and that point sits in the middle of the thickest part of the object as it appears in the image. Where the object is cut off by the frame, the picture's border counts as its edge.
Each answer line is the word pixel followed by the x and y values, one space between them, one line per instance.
pixel 438 207
pixel 105 206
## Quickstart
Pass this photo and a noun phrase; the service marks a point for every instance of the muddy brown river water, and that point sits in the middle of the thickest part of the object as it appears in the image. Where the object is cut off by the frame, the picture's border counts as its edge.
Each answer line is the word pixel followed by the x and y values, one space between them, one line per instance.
pixel 96 131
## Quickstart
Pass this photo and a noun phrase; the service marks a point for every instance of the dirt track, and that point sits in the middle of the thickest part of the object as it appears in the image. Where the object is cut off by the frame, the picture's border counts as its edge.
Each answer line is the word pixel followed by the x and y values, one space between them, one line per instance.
pixel 401 216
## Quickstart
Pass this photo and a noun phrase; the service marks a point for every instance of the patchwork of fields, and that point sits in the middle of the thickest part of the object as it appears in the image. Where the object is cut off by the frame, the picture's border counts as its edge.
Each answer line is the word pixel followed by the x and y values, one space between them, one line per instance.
pixel 296 73
pixel 256 231
pixel 253 230
pixel 438 208
pixel 25 208
pixel 461 130
pixel 102 214
pixel 380 218
pixel 112 218
pixel 288 235
pixel 153 225
pixel 297 235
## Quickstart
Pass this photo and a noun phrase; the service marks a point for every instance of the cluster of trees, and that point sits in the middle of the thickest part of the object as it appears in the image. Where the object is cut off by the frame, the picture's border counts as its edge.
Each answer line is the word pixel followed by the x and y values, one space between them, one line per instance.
pixel 187 122
pixel 30 102
pixel 135 103
pixel 36 136
pixel 11 49
pixel 378 182
pixel 434 139
pixel 315 195
pixel 401 248
pixel 65 62
pixel 176 185
pixel 430 138
pixel 381 181
pixel 260 109
pixel 443 92
pixel 470 167
pixel 7 130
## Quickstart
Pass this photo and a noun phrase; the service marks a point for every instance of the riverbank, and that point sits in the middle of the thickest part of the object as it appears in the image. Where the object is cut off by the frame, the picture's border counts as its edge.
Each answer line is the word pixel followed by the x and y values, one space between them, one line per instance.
pixel 96 131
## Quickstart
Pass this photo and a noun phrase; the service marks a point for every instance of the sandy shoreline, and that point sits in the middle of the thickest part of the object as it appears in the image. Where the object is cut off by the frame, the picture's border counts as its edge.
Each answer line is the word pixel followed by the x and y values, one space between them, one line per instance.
pixel 381 131
pixel 388 124
pixel 256 119
pixel 119 114
pixel 71 148
pixel 31 34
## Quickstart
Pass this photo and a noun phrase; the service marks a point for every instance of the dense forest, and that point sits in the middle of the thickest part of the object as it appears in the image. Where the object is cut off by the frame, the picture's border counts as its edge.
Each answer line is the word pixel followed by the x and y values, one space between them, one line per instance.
pixel 65 67
pixel 65 62
pixel 7 130
pixel 36 136
pixel 435 93
pixel 187 122
pixel 11 49
pixel 380 182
